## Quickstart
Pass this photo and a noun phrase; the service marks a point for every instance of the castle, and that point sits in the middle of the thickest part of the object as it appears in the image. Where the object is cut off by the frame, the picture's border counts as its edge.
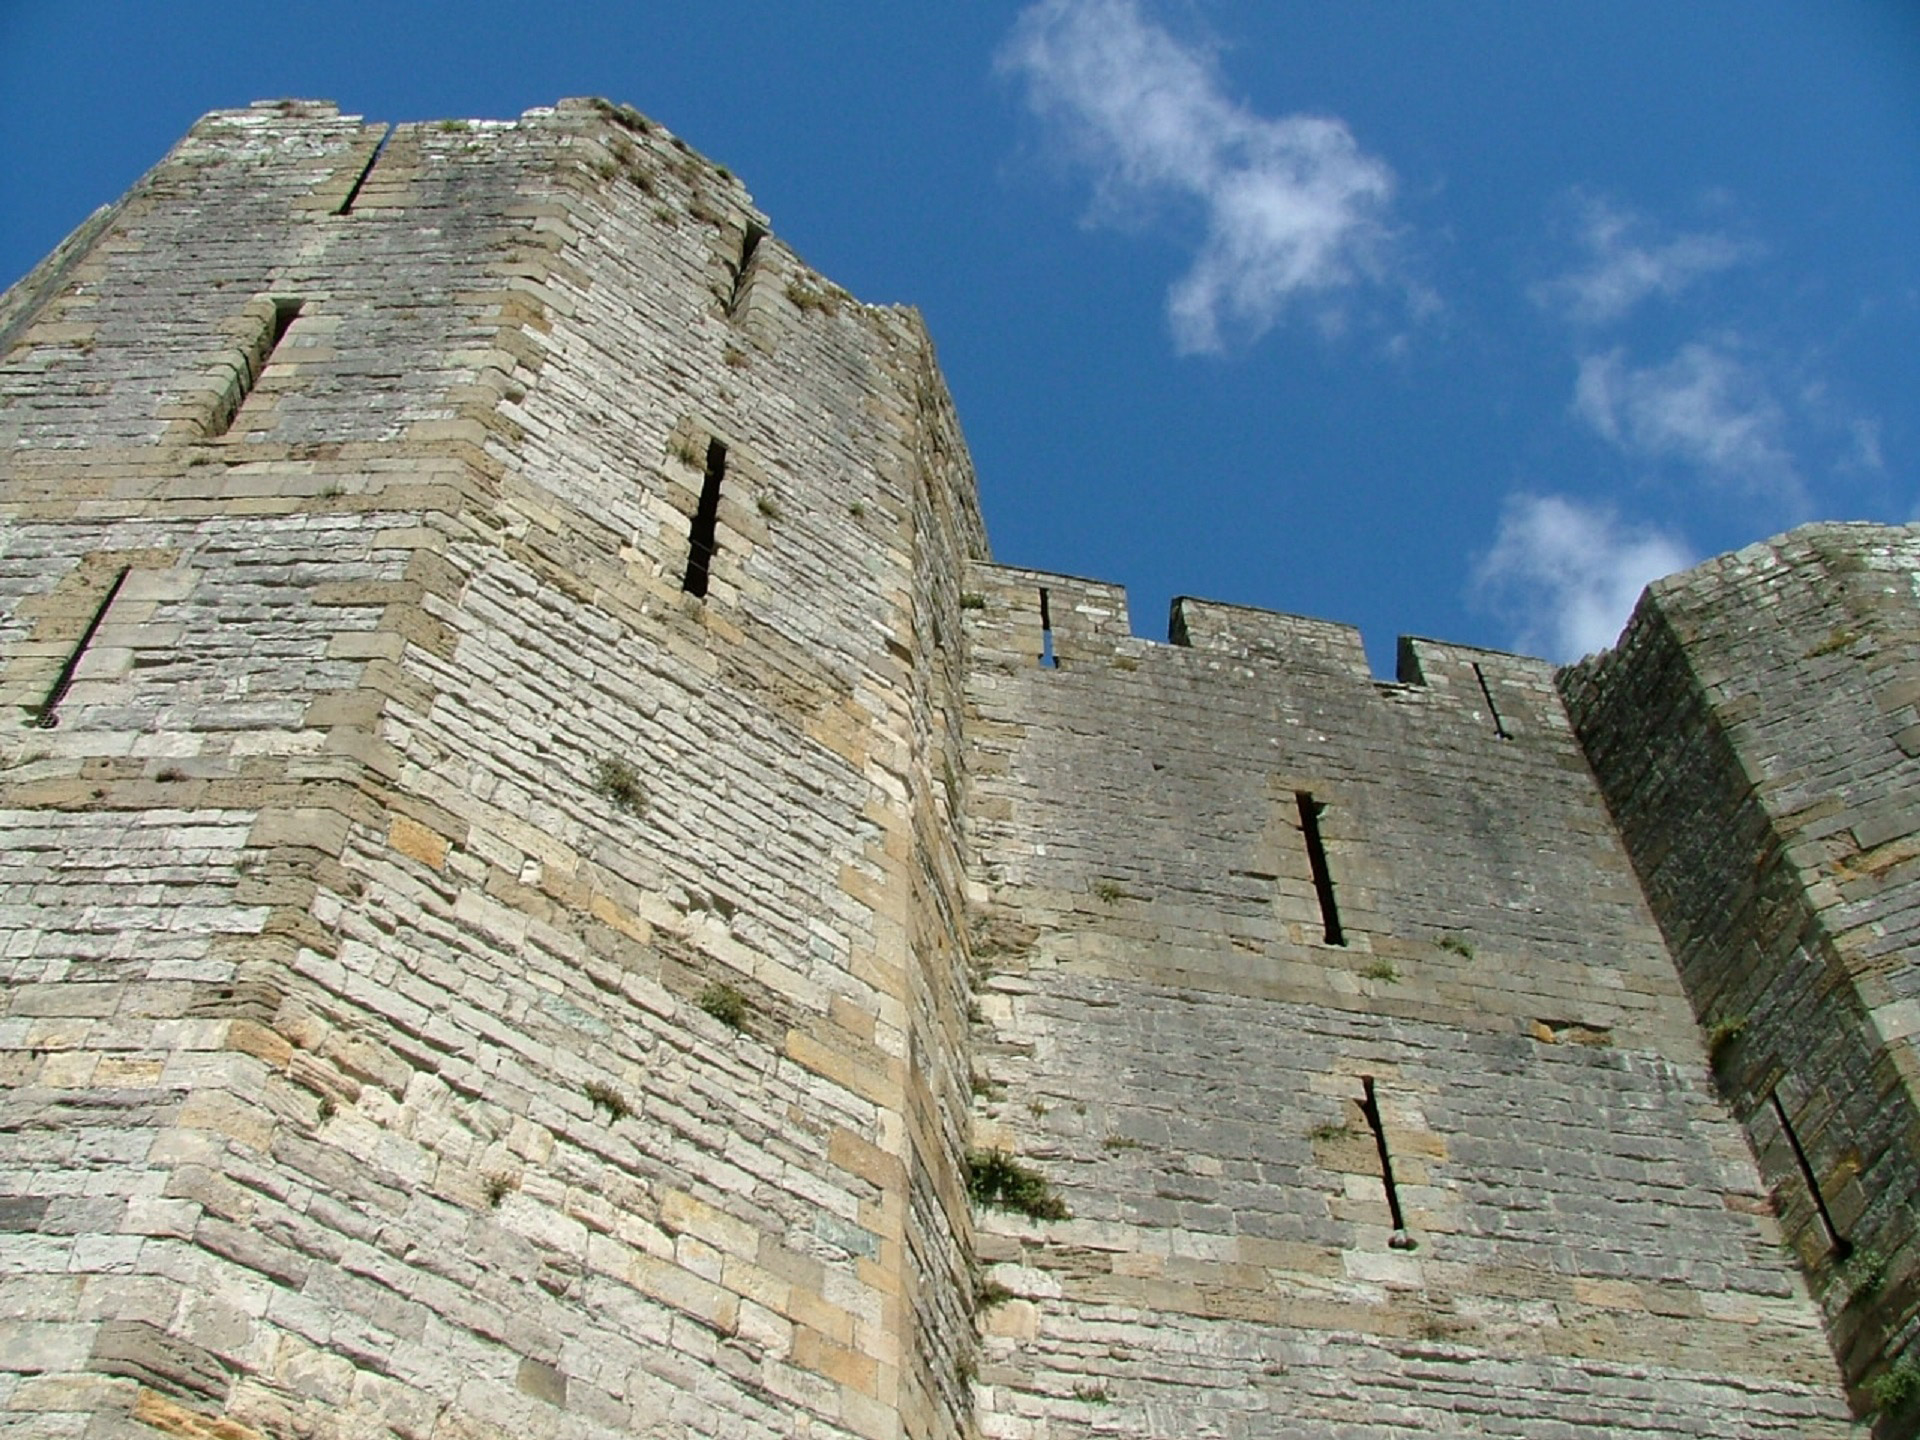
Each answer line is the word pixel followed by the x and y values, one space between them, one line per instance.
pixel 551 889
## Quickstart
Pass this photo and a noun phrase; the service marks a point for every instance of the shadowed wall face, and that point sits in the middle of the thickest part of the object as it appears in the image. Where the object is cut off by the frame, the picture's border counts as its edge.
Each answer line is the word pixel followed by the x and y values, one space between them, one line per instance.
pixel 1755 733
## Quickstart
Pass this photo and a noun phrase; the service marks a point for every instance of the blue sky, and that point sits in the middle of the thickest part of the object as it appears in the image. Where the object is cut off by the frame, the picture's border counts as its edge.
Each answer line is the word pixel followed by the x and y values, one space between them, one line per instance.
pixel 1460 320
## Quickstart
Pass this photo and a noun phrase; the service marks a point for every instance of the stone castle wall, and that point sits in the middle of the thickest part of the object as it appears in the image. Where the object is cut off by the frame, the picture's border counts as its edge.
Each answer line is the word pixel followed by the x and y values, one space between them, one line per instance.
pixel 465 978
pixel 1173 1039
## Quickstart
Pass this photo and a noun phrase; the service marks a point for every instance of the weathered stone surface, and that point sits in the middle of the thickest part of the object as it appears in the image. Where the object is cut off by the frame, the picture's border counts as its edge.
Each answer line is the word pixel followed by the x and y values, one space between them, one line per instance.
pixel 462 982
pixel 1747 731
pixel 1184 1048
pixel 140 1351
pixel 330 917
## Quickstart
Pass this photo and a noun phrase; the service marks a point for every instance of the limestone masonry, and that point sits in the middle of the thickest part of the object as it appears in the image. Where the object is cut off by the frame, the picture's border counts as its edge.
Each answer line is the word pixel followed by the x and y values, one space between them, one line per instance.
pixel 550 889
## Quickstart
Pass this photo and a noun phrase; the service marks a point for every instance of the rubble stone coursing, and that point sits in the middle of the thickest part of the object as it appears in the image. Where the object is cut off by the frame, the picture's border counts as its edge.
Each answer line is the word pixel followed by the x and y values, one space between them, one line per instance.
pixel 460 983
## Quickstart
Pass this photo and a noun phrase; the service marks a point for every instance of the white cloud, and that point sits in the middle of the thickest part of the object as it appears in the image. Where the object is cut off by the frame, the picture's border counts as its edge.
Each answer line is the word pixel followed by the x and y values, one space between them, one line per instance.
pixel 1624 267
pixel 1567 574
pixel 1866 445
pixel 1703 407
pixel 1293 206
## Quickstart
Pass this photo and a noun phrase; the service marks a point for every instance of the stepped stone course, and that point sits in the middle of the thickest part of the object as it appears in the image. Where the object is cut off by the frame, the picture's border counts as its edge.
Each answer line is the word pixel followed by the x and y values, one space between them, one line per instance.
pixel 466 978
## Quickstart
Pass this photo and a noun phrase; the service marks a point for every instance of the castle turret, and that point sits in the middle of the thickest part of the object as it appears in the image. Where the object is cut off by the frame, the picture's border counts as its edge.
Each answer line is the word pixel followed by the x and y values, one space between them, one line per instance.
pixel 1756 733
pixel 483 949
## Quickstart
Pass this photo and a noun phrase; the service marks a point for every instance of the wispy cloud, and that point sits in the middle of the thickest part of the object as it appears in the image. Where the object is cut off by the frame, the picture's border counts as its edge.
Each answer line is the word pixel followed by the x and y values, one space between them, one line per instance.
pixel 1566 575
pixel 1626 263
pixel 1293 206
pixel 1866 444
pixel 1704 408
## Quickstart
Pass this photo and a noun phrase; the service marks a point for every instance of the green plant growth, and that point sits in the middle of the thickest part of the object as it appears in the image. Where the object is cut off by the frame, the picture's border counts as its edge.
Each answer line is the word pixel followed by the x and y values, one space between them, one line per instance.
pixel 970 601
pixel 624 116
pixel 1839 639
pixel 1384 970
pixel 1457 944
pixel 989 1293
pixel 1330 1132
pixel 1722 1033
pixel 807 299
pixel 1864 1272
pixel 769 508
pixel 725 1004
pixel 604 1097
pixel 1092 1394
pixel 1897 1386
pixel 984 1087
pixel 996 1179
pixel 1119 1142
pixel 1109 891
pixel 497 1188
pixel 619 783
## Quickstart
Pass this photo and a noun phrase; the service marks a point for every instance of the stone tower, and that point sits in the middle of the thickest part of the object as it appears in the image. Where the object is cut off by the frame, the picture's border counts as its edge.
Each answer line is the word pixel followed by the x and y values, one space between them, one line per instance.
pixel 551 889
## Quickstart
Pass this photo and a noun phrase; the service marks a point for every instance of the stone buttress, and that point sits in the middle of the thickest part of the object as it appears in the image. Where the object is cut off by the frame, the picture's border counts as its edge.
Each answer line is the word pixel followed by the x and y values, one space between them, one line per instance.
pixel 1756 731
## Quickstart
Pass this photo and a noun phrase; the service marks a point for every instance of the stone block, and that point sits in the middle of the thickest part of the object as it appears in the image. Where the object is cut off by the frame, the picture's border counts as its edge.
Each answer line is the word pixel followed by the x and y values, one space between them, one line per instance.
pixel 167 1363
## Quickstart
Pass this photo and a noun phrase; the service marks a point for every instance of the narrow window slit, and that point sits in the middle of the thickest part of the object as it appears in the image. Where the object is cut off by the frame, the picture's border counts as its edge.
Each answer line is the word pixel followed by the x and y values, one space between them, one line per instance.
pixel 1370 1107
pixel 1310 811
pixel 743 272
pixel 49 712
pixel 346 206
pixel 703 540
pixel 253 365
pixel 1048 660
pixel 1838 1243
pixel 1499 725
